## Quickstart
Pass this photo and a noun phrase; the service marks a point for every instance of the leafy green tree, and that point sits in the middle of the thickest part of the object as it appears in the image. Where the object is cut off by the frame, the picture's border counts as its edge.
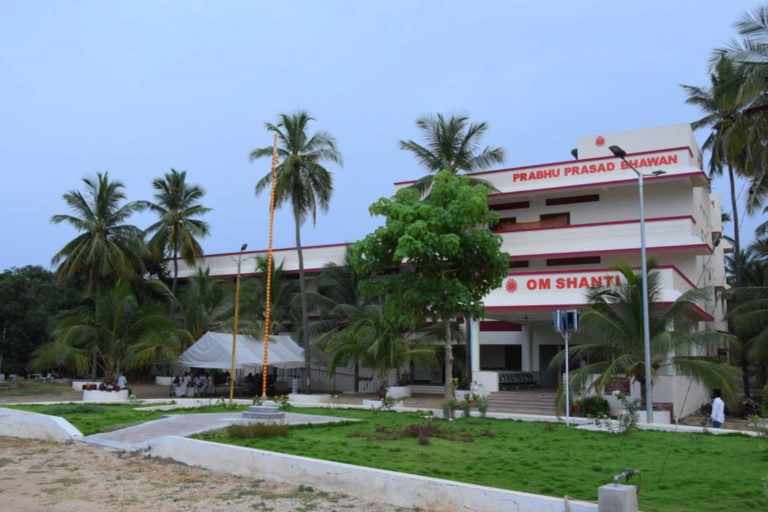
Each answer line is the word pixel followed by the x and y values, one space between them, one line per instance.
pixel 614 320
pixel 29 297
pixel 110 333
pixel 433 259
pixel 106 249
pixel 376 343
pixel 305 184
pixel 177 231
pixel 452 145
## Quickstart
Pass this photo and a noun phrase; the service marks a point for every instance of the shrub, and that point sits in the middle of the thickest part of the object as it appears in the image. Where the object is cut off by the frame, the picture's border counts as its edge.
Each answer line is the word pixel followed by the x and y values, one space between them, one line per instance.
pixel 257 430
pixel 449 409
pixel 423 438
pixel 413 430
pixel 594 406
pixel 61 409
pixel 465 407
pixel 389 402
pixel 482 405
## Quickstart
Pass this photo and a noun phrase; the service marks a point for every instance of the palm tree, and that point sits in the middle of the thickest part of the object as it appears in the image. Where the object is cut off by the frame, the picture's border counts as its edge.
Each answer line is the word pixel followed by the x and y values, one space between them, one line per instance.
pixel 202 304
pixel 111 332
pixel 177 230
pixel 722 104
pixel 750 54
pixel 614 320
pixel 253 300
pixel 748 311
pixel 106 249
pixel 452 145
pixel 376 343
pixel 340 303
pixel 303 182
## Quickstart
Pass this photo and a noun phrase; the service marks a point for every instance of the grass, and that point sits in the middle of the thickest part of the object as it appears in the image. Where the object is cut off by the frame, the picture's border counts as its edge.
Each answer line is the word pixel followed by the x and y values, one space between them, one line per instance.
pixel 32 388
pixel 681 472
pixel 254 430
pixel 95 418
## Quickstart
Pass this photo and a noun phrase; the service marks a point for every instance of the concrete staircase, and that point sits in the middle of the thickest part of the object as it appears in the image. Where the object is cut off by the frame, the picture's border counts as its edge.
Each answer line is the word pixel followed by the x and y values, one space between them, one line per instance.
pixel 524 402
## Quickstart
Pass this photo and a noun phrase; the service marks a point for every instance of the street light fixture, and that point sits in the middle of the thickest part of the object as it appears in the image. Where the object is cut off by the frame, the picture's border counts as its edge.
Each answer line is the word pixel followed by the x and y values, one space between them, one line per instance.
pixel 234 325
pixel 620 153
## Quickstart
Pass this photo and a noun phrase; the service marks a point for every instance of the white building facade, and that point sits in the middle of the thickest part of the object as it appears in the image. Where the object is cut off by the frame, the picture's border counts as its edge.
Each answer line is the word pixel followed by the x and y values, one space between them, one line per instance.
pixel 564 224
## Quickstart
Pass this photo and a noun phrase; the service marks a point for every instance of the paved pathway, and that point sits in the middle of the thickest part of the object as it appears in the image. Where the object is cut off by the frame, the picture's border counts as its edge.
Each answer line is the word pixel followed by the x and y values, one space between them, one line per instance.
pixel 137 437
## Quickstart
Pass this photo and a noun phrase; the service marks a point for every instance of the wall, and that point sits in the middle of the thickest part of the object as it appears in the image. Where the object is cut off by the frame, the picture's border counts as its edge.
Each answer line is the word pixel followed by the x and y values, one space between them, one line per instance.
pixel 30 425
pixel 489 380
pixel 396 489
pixel 687 395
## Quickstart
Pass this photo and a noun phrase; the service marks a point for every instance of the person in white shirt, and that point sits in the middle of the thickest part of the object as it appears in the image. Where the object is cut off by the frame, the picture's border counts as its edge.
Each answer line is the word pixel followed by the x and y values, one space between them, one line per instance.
pixel 718 409
pixel 122 383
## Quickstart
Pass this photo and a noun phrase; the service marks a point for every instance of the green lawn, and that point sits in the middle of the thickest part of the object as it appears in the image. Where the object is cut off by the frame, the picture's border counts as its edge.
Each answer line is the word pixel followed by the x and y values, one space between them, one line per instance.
pixel 681 472
pixel 94 418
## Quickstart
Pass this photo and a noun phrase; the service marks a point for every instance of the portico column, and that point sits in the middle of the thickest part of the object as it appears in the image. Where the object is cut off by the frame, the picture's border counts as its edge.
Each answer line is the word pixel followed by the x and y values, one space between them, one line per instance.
pixel 527 349
pixel 474 326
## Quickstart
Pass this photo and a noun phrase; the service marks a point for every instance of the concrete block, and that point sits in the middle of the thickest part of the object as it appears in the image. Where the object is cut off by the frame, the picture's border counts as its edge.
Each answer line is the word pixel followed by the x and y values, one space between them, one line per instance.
pixel 617 498
pixel 31 425
pixel 299 398
pixel 95 395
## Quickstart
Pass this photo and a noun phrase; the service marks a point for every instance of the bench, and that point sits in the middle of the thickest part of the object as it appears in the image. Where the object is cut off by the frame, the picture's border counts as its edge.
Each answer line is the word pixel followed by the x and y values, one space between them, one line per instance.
pixel 516 380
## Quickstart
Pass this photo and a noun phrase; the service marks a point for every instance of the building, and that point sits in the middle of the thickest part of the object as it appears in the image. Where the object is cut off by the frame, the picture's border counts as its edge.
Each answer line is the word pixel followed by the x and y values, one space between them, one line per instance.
pixel 564 224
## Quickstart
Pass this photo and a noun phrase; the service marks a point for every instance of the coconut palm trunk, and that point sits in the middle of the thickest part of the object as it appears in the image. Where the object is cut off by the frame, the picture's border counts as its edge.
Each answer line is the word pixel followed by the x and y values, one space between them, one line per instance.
pixel 743 362
pixel 175 271
pixel 303 298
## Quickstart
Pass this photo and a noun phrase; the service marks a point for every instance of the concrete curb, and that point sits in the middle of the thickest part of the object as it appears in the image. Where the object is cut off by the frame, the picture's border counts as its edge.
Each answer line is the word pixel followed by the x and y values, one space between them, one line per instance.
pixel 398 489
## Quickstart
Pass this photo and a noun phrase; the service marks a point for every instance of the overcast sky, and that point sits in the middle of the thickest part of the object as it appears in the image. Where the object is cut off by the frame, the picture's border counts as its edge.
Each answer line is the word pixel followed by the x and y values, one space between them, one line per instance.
pixel 137 88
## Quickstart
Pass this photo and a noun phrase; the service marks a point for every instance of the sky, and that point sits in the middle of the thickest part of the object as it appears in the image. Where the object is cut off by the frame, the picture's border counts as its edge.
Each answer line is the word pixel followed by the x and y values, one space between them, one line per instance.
pixel 137 88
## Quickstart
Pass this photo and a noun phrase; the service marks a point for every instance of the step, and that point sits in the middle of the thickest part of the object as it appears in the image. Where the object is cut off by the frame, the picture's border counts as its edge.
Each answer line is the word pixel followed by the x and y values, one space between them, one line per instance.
pixel 264 412
pixel 534 402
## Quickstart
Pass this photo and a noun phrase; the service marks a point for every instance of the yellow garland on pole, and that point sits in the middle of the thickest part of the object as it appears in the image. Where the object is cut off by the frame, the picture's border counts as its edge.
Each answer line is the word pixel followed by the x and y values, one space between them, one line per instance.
pixel 269 271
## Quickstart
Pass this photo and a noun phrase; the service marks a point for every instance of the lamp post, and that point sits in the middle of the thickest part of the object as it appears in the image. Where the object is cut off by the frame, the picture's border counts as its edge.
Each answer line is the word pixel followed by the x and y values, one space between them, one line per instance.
pixel 234 325
pixel 620 153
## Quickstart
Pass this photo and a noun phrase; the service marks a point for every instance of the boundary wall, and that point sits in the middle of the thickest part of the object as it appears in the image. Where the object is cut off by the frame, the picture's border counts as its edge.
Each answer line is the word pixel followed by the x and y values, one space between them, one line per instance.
pixel 382 486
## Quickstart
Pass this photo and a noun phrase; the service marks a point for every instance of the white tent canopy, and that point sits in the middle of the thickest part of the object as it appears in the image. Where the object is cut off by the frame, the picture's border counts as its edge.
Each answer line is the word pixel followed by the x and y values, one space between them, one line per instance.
pixel 214 350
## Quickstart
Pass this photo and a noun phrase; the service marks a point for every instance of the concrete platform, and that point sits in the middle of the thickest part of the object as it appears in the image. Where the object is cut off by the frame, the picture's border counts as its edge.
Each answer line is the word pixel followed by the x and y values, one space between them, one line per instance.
pixel 138 437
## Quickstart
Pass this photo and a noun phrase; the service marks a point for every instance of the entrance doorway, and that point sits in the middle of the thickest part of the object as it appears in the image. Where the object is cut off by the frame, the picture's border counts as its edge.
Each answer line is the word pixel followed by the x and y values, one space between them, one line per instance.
pixel 547 375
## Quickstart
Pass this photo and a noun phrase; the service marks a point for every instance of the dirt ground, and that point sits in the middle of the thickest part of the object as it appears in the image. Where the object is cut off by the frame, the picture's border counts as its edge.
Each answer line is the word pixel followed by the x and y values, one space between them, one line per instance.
pixel 40 476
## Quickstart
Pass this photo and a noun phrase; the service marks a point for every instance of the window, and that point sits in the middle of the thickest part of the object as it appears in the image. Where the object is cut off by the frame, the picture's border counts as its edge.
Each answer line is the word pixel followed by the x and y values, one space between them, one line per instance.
pixel 509 206
pixel 566 216
pixel 590 198
pixel 581 260
pixel 505 223
pixel 518 263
